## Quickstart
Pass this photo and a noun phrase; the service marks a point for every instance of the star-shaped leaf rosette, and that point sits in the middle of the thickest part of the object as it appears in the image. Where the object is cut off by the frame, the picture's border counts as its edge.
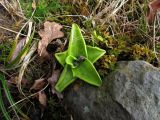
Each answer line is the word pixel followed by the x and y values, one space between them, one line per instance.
pixel 78 61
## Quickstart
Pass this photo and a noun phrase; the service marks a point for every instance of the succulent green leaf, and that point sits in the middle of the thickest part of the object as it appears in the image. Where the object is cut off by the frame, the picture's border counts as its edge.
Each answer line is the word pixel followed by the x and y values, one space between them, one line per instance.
pixel 78 61
pixel 94 53
pixel 77 44
pixel 61 57
pixel 87 72
pixel 65 79
pixel 70 61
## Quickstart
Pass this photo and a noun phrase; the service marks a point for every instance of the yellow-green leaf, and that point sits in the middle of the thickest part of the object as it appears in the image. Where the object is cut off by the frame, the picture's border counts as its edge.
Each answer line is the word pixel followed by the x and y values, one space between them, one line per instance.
pixel 94 53
pixel 87 72
pixel 61 57
pixel 65 79
pixel 77 45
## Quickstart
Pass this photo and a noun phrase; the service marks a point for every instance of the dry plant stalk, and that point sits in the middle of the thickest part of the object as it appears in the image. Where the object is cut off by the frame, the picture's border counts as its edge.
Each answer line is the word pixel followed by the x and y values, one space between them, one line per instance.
pixel 13 7
pixel 109 10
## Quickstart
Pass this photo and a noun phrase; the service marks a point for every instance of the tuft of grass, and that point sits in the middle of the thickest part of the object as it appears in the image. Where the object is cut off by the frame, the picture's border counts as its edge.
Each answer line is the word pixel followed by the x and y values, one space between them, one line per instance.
pixel 22 53
pixel 15 108
pixel 44 8
pixel 13 7
pixel 5 48
pixel 3 108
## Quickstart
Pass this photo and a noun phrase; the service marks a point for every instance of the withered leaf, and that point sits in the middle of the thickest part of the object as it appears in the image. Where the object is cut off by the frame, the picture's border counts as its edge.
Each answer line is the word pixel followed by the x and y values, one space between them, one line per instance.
pixel 52 81
pixel 42 98
pixel 55 75
pixel 18 49
pixel 14 81
pixel 153 7
pixel 38 84
pixel 51 31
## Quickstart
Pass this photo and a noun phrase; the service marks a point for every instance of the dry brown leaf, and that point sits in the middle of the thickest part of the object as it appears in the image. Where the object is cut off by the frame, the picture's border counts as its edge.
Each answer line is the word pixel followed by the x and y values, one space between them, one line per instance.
pixel 153 7
pixel 14 81
pixel 38 84
pixel 52 81
pixel 51 31
pixel 42 98
pixel 18 49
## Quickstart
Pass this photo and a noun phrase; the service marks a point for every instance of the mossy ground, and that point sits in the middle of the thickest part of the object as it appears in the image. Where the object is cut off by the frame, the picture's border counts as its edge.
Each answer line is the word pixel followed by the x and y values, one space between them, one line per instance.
pixel 120 30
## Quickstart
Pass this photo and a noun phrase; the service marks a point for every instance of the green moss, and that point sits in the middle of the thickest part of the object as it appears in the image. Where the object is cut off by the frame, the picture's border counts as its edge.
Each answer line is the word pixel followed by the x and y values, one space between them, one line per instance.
pixel 140 52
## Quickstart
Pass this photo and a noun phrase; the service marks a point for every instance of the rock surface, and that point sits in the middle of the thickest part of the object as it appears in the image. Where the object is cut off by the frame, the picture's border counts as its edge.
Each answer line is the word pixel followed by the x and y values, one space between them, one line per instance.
pixel 131 92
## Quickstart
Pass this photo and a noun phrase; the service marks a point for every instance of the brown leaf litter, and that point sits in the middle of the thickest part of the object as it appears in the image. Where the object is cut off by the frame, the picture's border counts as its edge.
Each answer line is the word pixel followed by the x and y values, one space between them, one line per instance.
pixel 51 31
pixel 18 49
pixel 52 81
pixel 38 84
pixel 153 7
pixel 42 98
pixel 14 81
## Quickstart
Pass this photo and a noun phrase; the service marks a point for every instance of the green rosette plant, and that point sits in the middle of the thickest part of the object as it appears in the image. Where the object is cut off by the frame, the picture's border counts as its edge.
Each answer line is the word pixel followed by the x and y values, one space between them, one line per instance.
pixel 78 61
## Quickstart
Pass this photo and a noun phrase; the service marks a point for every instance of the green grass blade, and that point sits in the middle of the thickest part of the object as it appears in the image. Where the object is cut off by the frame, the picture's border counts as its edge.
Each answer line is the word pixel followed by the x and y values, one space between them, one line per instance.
pixel 12 50
pixel 10 99
pixel 3 109
pixel 7 93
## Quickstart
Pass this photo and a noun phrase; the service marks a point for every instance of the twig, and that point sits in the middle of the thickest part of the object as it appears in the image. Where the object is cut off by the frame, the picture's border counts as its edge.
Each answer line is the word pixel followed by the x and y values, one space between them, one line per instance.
pixel 154 41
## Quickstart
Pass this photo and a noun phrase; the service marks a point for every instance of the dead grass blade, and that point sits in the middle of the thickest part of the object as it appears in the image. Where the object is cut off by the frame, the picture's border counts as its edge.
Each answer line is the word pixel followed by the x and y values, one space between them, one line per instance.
pixel 18 48
pixel 17 54
pixel 109 10
pixel 13 7
pixel 25 63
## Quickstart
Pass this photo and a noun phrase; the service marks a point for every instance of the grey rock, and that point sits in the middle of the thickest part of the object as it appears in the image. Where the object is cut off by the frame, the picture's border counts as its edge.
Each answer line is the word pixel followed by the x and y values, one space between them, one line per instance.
pixel 131 92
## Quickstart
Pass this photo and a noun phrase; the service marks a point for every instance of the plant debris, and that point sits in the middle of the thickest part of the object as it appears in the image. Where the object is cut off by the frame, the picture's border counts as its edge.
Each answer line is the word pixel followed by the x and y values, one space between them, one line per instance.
pixel 18 49
pixel 43 101
pixel 38 84
pixel 51 31
pixel 153 7
pixel 52 81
